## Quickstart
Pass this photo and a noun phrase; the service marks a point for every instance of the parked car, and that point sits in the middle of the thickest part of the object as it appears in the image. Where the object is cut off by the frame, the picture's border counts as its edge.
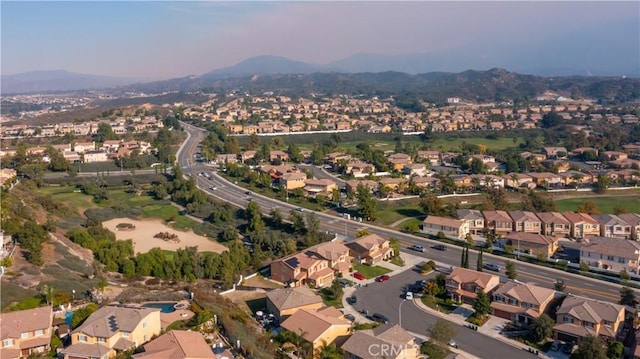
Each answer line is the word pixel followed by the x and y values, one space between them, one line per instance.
pixel 569 348
pixel 349 317
pixel 382 278
pixel 417 248
pixel 344 283
pixel 408 296
pixel 491 266
pixel 377 317
pixel 556 345
pixel 453 344
pixel 359 276
pixel 352 299
pixel 440 247
pixel 300 209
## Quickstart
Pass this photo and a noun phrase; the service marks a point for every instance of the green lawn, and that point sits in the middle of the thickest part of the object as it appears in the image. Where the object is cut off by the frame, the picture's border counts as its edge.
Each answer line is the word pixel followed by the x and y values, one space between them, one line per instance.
pixel 165 211
pixel 392 211
pixel 456 143
pixel 370 271
pixel 12 293
pixel 328 299
pixel 441 304
pixel 605 204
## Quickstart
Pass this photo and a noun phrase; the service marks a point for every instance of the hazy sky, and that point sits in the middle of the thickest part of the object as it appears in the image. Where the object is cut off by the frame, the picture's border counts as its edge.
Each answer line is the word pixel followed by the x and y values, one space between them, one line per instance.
pixel 171 39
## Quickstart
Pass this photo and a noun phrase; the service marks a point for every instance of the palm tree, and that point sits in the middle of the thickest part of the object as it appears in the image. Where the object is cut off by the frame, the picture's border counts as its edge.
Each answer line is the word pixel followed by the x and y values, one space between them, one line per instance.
pixel 515 179
pixel 48 292
pixel 331 351
pixel 102 283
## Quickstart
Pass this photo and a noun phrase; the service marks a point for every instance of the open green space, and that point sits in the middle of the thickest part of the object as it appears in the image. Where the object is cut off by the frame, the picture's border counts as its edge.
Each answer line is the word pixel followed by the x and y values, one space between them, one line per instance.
pixel 330 299
pixel 389 212
pixel 12 293
pixel 370 271
pixel 439 303
pixel 171 214
pixel 606 204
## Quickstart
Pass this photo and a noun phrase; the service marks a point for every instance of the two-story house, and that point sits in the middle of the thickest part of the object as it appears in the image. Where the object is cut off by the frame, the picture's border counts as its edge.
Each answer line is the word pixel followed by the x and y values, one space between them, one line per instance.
pixel 286 301
pixel 611 254
pixel 633 220
pixel 532 243
pixel 463 285
pixel 370 249
pixel 388 341
pixel 178 344
pixel 25 332
pixel 111 330
pixel 582 225
pixel 524 221
pixel 580 317
pixel 554 224
pixel 450 227
pixel 314 187
pixel 474 218
pixel 499 222
pixel 317 265
pixel 521 303
pixel 293 180
pixel 613 226
pixel 320 327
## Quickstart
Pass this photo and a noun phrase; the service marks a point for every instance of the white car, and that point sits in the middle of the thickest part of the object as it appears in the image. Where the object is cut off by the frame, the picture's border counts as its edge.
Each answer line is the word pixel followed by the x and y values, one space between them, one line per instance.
pixel 408 296
pixel 453 344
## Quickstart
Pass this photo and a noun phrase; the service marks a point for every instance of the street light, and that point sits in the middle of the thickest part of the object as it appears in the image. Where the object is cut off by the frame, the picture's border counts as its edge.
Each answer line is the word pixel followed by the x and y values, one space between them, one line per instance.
pixel 73 292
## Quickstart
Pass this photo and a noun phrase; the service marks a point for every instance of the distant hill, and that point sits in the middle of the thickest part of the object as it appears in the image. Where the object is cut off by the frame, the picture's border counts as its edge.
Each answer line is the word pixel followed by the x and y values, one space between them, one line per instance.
pixel 56 81
pixel 492 85
pixel 266 65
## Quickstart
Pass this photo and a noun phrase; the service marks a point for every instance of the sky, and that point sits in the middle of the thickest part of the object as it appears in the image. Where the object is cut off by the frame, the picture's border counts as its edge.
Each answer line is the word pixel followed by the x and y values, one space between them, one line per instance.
pixel 163 39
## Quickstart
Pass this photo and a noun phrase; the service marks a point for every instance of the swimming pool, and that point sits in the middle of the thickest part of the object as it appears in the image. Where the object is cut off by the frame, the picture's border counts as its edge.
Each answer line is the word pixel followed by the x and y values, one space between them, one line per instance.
pixel 165 307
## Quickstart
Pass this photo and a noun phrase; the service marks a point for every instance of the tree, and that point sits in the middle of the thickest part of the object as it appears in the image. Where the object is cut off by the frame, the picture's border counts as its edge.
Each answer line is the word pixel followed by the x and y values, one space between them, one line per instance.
pixel 276 216
pixel 620 210
pixel 603 184
pixel 441 332
pixel 510 270
pixel 542 327
pixel 588 207
pixel 590 348
pixel 627 296
pixel 559 285
pixel 395 246
pixel 298 222
pixel 366 202
pixel 431 204
pixel 498 197
pixel 615 350
pixel 331 351
pixel 479 262
pixel 469 239
pixel 482 304
pixel 83 313
pixel 551 119
pixel 624 275
pixel 101 284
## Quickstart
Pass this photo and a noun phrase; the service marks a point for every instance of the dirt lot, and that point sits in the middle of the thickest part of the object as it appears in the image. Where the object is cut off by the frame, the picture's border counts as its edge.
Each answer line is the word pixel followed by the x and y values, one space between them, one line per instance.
pixel 144 231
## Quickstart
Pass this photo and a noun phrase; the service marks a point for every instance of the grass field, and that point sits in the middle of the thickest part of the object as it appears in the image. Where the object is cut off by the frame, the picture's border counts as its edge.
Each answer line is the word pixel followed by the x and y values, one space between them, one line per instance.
pixel 165 211
pixel 12 293
pixel 605 204
pixel 392 211
pixel 370 271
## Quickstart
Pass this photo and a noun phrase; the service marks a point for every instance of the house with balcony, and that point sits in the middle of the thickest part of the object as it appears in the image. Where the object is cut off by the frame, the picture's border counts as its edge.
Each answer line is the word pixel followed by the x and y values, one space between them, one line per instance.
pixel 25 332
pixel 613 226
pixel 524 221
pixel 462 284
pixel 293 180
pixel 580 317
pixel 633 220
pixel 314 187
pixel 284 302
pixel 450 227
pixel 111 330
pixel 612 254
pixel 320 327
pixel 532 243
pixel 554 224
pixel 396 342
pixel 223 158
pixel 317 265
pixel 582 225
pixel 370 249
pixel 499 222
pixel 95 156
pixel 433 157
pixel 522 303
pixel 546 179
pixel 474 219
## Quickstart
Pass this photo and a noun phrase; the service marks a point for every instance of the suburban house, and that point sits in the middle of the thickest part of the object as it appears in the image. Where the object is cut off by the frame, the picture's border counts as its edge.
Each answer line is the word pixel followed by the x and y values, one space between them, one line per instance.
pixel 224 158
pixel 633 219
pixel 314 187
pixel 111 330
pixel 293 180
pixel 611 254
pixel 518 180
pixel 454 228
pixel 320 327
pixel 462 285
pixel 95 156
pixel 474 219
pixel 554 224
pixel 520 302
pixel 613 226
pixel 177 344
pixel 370 249
pixel 524 221
pixel 370 343
pixel 579 317
pixel 284 302
pixel 499 222
pixel 582 225
pixel 317 265
pixel 25 332
pixel 352 185
pixel 532 243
